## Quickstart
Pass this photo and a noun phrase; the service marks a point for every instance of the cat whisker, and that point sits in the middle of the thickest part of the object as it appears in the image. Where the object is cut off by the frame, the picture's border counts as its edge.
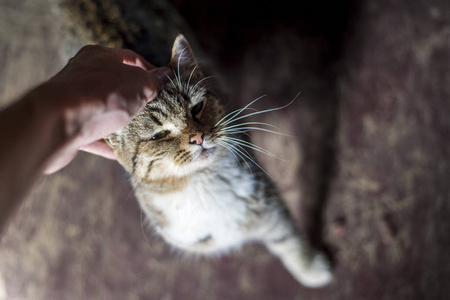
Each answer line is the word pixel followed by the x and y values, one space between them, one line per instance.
pixel 197 84
pixel 142 226
pixel 177 80
pixel 238 132
pixel 237 112
pixel 231 151
pixel 178 67
pixel 230 148
pixel 254 147
pixel 250 123
pixel 190 76
pixel 246 129
pixel 129 194
pixel 226 128
pixel 244 152
pixel 173 84
pixel 260 112
pixel 143 231
pixel 218 123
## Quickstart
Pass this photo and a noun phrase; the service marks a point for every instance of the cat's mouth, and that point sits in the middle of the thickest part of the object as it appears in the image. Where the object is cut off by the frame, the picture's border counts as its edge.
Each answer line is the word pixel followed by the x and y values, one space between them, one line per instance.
pixel 205 153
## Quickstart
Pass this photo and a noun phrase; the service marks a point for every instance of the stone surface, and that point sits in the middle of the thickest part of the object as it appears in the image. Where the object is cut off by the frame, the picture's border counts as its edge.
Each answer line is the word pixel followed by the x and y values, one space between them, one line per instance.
pixel 367 175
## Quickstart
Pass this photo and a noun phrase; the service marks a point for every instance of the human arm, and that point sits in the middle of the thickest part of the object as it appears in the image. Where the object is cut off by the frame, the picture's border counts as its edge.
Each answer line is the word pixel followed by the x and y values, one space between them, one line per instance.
pixel 95 94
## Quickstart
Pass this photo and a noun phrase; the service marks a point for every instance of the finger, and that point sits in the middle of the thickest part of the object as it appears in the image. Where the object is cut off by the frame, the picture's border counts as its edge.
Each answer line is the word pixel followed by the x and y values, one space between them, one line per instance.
pixel 156 78
pixel 138 87
pixel 163 75
pixel 137 62
pixel 131 58
pixel 125 56
pixel 100 148
pixel 59 161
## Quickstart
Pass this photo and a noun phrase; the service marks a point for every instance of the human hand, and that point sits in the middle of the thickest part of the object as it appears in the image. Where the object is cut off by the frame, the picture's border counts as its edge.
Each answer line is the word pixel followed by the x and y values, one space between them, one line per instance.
pixel 94 95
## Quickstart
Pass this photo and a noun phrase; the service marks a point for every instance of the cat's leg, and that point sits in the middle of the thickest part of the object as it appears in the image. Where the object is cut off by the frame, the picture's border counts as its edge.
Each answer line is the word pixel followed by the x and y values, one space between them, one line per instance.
pixel 309 266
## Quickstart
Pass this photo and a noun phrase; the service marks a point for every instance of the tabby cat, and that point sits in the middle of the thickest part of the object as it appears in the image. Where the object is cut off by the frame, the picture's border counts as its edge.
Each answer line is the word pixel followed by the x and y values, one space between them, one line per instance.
pixel 200 189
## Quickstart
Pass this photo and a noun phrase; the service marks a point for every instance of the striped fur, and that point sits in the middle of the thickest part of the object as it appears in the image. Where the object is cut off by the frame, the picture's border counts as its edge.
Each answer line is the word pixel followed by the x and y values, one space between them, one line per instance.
pixel 206 198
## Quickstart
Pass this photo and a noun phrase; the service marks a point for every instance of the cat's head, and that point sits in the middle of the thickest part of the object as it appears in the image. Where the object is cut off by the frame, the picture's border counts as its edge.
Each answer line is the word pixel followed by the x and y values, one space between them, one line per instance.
pixel 174 135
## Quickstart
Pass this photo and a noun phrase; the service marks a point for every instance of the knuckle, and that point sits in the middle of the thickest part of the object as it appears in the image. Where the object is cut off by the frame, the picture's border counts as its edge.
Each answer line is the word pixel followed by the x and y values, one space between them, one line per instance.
pixel 91 49
pixel 88 48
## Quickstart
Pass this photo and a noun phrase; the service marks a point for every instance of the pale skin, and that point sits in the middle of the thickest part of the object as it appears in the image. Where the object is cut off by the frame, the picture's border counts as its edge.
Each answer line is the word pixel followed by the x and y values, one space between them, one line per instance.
pixel 95 94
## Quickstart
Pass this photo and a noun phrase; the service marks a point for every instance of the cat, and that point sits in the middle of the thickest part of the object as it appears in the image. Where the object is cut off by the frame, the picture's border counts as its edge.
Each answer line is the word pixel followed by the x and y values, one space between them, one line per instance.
pixel 201 191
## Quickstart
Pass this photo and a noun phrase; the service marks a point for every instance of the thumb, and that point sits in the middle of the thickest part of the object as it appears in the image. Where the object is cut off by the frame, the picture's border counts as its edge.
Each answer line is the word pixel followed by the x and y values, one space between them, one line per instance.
pixel 99 147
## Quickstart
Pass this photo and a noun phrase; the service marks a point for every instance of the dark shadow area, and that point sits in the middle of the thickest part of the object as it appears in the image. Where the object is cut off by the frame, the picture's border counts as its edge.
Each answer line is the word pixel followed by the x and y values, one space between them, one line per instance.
pixel 228 30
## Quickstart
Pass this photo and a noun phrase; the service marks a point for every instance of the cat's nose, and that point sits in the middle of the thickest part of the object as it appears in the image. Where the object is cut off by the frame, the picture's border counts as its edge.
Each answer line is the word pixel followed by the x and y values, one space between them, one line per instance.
pixel 196 138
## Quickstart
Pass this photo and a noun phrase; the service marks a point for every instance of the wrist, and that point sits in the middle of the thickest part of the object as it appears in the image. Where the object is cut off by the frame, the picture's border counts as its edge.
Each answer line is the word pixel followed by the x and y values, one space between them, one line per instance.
pixel 45 116
pixel 29 135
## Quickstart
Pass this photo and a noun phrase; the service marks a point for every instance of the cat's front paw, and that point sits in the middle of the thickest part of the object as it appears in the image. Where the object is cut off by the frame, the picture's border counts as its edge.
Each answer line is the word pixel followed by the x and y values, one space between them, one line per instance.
pixel 318 272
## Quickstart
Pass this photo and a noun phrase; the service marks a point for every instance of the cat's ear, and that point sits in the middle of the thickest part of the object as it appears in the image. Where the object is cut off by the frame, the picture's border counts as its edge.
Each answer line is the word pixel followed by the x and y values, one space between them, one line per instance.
pixel 182 55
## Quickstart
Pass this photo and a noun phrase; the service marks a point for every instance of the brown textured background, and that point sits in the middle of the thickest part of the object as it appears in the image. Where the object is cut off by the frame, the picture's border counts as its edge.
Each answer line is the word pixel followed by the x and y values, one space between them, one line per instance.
pixel 367 176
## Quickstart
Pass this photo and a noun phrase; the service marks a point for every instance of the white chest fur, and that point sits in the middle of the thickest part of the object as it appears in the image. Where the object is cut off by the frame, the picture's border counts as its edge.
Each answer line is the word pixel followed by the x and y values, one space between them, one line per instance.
pixel 211 207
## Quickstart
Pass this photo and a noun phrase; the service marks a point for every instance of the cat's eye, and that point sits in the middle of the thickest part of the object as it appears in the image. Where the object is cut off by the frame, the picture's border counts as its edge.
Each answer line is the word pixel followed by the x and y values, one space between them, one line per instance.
pixel 197 108
pixel 160 135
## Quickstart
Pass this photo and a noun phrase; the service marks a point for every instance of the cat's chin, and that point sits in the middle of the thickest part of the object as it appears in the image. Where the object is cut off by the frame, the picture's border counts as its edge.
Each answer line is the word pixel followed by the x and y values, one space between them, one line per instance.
pixel 204 157
pixel 206 153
